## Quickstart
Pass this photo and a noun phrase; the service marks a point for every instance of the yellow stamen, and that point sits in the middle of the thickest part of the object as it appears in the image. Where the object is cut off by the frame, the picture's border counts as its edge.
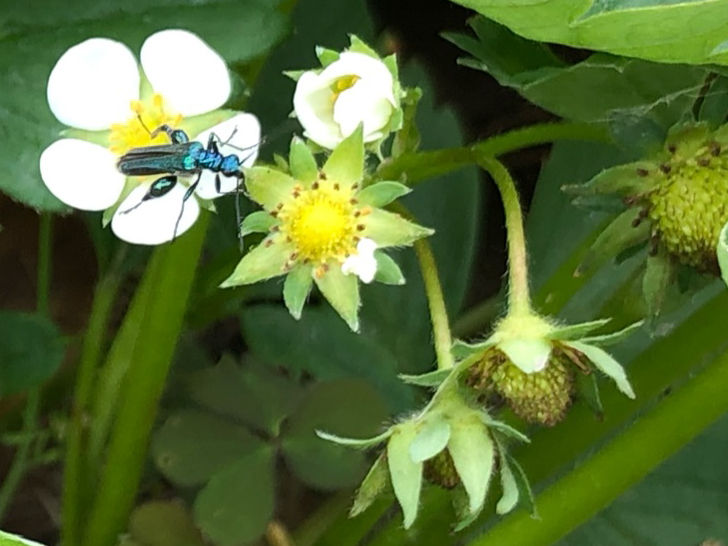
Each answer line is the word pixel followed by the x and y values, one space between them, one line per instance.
pixel 342 84
pixel 145 119
pixel 321 223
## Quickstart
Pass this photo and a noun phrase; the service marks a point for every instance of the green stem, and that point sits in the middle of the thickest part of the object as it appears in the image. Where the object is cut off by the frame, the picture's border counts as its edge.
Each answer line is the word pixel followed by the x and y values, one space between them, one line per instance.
pixel 436 302
pixel 519 298
pixel 420 166
pixel 32 403
pixel 78 477
pixel 621 464
pixel 156 314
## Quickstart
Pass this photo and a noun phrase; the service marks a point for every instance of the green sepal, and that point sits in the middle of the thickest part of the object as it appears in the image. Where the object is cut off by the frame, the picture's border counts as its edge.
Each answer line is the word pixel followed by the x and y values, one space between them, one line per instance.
pixel 462 349
pixel 504 429
pixel 326 56
pixel 607 364
pixel 431 439
pixel 659 275
pixel 624 180
pixel 509 497
pixel 473 454
pixel 614 337
pixel 461 507
pixel 371 487
pixel 296 288
pixel 257 222
pixel 382 194
pixel 588 390
pixel 576 331
pixel 342 292
pixel 281 162
pixel 529 354
pixel 390 229
pixel 722 253
pixel 619 235
pixel 358 46
pixel 303 164
pixel 354 442
pixel 430 379
pixel 390 62
pixel 295 75
pixel 525 493
pixel 265 261
pixel 269 187
pixel 388 272
pixel 407 138
pixel 404 473
pixel 687 139
pixel 345 165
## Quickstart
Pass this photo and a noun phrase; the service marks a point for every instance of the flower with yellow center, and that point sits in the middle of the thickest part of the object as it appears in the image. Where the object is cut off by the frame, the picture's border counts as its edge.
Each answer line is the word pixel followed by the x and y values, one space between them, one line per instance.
pixel 97 89
pixel 323 227
pixel 677 205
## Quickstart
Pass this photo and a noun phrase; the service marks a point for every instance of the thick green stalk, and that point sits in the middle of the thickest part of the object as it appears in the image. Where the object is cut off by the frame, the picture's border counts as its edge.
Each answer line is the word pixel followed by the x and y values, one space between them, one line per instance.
pixel 519 299
pixel 421 166
pixel 157 311
pixel 436 302
pixel 32 404
pixel 78 479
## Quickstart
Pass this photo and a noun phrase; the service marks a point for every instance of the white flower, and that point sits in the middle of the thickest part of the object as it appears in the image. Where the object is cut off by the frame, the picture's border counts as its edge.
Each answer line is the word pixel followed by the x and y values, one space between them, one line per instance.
pixel 363 264
pixel 356 88
pixel 96 86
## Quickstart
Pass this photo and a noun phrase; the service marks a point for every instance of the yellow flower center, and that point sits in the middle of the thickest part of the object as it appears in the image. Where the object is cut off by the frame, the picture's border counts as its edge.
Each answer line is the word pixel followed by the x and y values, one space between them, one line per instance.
pixel 137 130
pixel 342 84
pixel 322 222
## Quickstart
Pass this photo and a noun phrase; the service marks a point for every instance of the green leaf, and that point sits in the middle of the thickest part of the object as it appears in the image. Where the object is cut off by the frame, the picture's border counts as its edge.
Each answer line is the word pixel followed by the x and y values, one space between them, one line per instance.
pixel 342 292
pixel 381 194
pixel 473 455
pixel 265 261
pixel 345 165
pixel 296 289
pixel 346 408
pixel 390 229
pixel 257 222
pixel 29 52
pixel 405 474
pixel 388 272
pixel 672 31
pixel 31 351
pixel 373 485
pixel 432 437
pixel 237 503
pixel 722 253
pixel 303 164
pixel 7 539
pixel 607 364
pixel 254 395
pixel 193 445
pixel 577 91
pixel 164 523
pixel 276 338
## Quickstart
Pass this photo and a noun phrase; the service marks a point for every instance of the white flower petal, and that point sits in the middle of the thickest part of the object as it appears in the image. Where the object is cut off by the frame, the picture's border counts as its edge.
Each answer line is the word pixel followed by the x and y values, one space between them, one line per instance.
pixel 188 73
pixel 530 354
pixel 313 102
pixel 362 264
pixel 92 84
pixel 244 143
pixel 362 103
pixel 153 222
pixel 367 68
pixel 81 174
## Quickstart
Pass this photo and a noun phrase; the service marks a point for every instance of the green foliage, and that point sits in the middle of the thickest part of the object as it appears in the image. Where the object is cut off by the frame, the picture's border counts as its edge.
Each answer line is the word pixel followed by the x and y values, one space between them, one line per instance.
pixel 249 418
pixel 32 349
pixel 661 30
